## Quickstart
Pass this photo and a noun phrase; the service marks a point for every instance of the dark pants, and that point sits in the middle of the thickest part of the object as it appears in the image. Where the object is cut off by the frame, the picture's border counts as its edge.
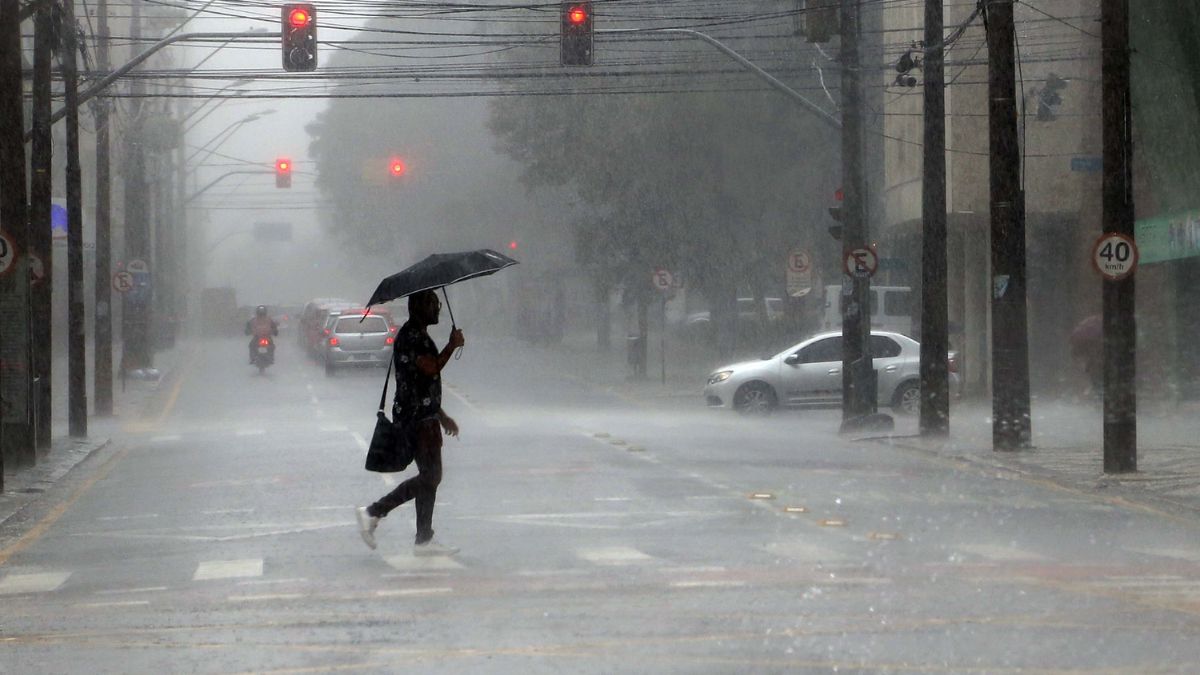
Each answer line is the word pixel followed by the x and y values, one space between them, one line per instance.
pixel 421 488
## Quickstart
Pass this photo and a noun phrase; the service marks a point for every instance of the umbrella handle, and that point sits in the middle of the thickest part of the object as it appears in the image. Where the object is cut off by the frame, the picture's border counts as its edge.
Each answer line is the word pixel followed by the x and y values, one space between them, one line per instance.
pixel 453 326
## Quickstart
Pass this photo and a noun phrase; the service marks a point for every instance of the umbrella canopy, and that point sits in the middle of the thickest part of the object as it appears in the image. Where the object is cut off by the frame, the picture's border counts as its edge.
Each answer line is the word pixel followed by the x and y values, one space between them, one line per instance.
pixel 438 270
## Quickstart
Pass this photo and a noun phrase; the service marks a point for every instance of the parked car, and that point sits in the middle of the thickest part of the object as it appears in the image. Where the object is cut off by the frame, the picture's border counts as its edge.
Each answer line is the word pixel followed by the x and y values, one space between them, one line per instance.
pixel 810 374
pixel 352 339
pixel 746 312
pixel 312 319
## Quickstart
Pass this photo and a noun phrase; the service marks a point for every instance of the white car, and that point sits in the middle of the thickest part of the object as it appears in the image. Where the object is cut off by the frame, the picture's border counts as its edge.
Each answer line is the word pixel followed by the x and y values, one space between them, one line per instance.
pixel 810 374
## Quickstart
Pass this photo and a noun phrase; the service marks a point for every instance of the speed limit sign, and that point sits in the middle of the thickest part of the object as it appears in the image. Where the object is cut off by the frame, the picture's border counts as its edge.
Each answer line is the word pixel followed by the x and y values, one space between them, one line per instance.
pixel 8 254
pixel 1115 255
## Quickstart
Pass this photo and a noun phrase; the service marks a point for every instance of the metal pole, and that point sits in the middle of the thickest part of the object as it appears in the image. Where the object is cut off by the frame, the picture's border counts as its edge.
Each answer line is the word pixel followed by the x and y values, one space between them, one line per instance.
pixel 76 350
pixel 1120 323
pixel 1011 425
pixel 935 386
pixel 41 189
pixel 102 350
pixel 858 374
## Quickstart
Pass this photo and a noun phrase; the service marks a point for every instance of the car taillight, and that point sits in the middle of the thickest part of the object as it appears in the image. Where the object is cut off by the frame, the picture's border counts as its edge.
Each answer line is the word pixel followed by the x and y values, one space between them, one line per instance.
pixel 327 331
pixel 390 340
pixel 264 342
pixel 333 341
pixel 952 362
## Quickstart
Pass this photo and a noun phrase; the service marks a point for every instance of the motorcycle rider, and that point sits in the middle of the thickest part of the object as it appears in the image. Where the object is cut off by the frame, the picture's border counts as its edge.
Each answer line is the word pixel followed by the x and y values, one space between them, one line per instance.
pixel 259 327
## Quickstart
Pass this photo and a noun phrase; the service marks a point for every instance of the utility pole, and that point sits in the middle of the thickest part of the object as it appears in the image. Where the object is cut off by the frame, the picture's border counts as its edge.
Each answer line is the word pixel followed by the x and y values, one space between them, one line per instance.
pixel 102 349
pixel 858 373
pixel 76 350
pixel 16 421
pixel 1011 425
pixel 1120 327
pixel 136 351
pixel 41 188
pixel 935 386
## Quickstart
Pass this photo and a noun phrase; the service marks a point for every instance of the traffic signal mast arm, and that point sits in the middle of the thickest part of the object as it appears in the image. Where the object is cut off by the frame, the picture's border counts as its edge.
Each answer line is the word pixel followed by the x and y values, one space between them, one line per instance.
pixel 95 89
pixel 223 176
pixel 827 117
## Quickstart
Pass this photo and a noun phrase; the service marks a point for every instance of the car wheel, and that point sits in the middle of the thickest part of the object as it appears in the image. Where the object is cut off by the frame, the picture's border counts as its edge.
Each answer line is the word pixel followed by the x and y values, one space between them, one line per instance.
pixel 907 399
pixel 755 398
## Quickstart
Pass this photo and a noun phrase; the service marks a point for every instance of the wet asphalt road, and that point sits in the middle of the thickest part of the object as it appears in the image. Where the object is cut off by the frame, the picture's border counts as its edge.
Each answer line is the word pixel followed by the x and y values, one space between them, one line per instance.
pixel 598 534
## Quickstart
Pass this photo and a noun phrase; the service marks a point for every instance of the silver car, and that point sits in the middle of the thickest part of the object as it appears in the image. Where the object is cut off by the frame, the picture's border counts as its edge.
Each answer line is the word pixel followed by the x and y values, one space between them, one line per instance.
pixel 810 374
pixel 355 340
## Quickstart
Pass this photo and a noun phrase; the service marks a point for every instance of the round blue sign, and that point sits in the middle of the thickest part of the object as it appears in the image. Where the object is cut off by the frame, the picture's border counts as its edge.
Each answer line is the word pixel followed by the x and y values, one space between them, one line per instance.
pixel 58 220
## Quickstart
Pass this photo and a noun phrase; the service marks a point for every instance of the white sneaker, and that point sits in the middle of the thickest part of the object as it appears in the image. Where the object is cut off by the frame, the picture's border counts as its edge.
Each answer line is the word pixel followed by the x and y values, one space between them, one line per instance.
pixel 366 526
pixel 432 548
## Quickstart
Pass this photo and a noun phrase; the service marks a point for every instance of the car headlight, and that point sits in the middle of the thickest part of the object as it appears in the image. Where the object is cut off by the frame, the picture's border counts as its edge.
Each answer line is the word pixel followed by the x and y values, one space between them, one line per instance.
pixel 720 376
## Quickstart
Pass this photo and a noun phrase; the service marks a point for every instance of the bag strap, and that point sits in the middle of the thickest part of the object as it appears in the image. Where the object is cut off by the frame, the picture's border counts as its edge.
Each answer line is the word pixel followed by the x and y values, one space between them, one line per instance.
pixel 386 379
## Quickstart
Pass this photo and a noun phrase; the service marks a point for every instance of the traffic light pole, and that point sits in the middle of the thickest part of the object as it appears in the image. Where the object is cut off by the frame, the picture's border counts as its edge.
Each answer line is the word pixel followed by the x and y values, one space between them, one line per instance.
pixel 218 179
pixel 76 350
pixel 40 201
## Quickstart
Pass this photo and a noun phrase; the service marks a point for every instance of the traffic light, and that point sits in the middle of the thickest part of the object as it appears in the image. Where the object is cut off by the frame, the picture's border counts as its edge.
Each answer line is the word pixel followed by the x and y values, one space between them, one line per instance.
pixel 575 37
pixel 283 172
pixel 396 167
pixel 299 32
pixel 512 245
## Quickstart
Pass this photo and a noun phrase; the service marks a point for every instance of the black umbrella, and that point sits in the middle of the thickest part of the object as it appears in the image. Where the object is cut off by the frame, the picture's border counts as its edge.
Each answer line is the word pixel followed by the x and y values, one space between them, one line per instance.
pixel 438 271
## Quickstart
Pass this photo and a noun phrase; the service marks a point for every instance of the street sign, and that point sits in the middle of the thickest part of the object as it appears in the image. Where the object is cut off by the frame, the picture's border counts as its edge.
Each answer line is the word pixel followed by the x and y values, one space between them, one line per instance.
pixel 1115 255
pixel 58 220
pixel 799 261
pixel 37 270
pixel 122 282
pixel 662 279
pixel 861 262
pixel 137 266
pixel 799 273
pixel 8 254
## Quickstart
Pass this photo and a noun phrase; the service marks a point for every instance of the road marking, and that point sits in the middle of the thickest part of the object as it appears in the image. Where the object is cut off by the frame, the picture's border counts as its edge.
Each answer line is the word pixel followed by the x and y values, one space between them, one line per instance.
pixel 250 432
pixel 37 582
pixel 1180 553
pixel 120 603
pixel 267 582
pixel 228 569
pixel 612 499
pixel 613 555
pixel 412 562
pixel 265 597
pixel 461 399
pixel 169 438
pixel 387 480
pixel 137 517
pixel 994 552
pixel 414 575
pixel 333 428
pixel 360 441
pixel 803 550
pixel 413 591
pixel 220 512
pixel 122 591
pixel 711 583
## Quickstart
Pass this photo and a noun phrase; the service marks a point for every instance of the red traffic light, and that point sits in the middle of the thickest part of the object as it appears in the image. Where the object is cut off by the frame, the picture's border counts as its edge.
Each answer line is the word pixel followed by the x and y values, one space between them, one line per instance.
pixel 299 17
pixel 577 15
pixel 512 245
pixel 283 165
pixel 396 167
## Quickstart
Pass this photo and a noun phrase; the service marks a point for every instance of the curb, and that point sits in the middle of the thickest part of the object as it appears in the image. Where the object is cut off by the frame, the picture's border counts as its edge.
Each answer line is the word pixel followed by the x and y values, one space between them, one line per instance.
pixel 26 486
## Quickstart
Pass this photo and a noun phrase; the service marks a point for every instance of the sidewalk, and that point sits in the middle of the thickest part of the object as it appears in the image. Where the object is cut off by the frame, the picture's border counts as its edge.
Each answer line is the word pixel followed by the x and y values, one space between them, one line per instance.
pixel 22 486
pixel 1067 439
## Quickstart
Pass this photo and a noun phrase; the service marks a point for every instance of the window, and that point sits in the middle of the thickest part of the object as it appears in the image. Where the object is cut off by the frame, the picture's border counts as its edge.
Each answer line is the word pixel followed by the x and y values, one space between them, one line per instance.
pixel 883 347
pixel 829 349
pixel 897 303
pixel 372 324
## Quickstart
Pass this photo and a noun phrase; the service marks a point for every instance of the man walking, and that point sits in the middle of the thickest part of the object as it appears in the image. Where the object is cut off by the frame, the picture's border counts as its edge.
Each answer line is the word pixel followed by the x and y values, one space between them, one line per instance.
pixel 418 406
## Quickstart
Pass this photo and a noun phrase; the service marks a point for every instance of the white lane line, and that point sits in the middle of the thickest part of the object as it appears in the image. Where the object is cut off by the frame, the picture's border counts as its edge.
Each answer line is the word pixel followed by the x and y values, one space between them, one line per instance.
pixel 470 406
pixel 265 597
pixel 123 591
pixel 387 480
pixel 170 438
pixel 612 499
pixel 268 582
pixel 339 507
pixel 228 569
pixel 219 512
pixel 411 562
pixel 120 603
pixel 137 517
pixel 711 583
pixel 250 432
pixel 333 428
pixel 415 575
pixel 613 555
pixel 37 582
pixel 360 441
pixel 413 591
pixel 994 552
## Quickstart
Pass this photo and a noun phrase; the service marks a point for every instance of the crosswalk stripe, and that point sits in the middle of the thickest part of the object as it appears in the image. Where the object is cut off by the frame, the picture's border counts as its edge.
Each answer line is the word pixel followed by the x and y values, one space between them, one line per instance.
pixel 228 569
pixel 412 562
pixel 613 555
pixel 413 591
pixel 37 582
pixel 993 552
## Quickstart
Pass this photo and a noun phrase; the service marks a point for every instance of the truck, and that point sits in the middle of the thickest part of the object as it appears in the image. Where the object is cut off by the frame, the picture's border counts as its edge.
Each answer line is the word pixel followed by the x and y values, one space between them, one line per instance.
pixel 219 312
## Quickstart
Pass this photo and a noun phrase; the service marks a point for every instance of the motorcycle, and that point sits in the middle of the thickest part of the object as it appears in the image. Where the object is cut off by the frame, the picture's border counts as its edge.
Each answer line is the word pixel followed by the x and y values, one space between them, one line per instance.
pixel 264 354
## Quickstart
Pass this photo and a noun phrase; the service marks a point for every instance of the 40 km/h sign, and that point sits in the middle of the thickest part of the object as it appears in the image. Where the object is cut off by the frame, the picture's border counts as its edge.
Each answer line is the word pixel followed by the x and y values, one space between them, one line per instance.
pixel 1115 255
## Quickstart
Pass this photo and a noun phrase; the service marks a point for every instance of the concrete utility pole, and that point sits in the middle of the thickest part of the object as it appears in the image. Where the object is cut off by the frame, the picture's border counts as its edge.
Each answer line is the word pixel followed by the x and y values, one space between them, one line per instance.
pixel 76 349
pixel 935 387
pixel 1120 323
pixel 136 350
pixel 858 373
pixel 41 189
pixel 102 386
pixel 16 422
pixel 1011 424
